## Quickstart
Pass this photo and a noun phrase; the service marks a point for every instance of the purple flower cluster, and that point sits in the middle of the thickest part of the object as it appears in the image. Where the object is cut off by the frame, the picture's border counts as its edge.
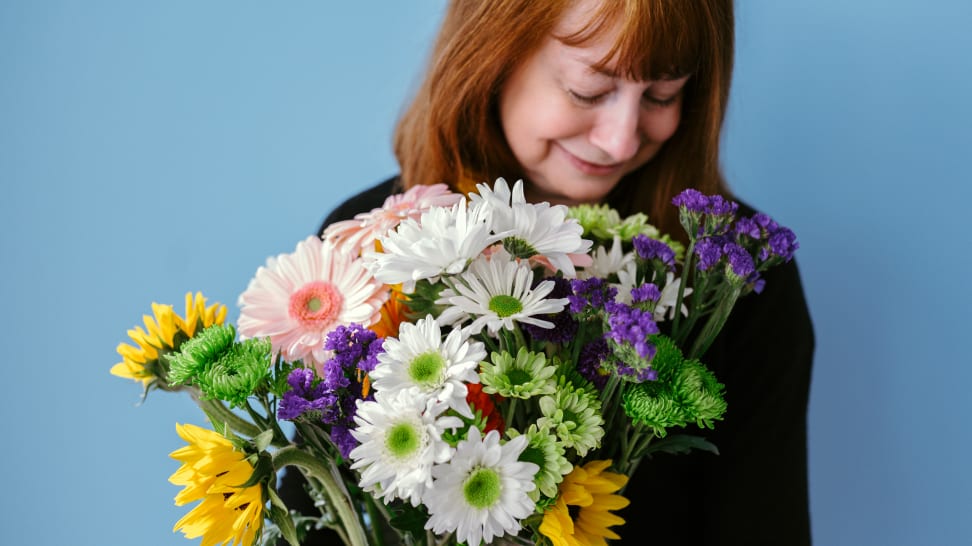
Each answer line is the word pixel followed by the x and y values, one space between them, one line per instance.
pixel 333 397
pixel 592 293
pixel 692 200
pixel 565 326
pixel 633 326
pixel 638 376
pixel 740 262
pixel 650 249
pixel 305 396
pixel 589 361
pixel 709 250
pixel 646 292
pixel 775 240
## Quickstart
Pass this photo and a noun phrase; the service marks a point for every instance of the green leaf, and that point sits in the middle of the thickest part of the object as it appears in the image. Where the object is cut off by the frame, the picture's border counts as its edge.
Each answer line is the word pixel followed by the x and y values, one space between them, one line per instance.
pixel 409 519
pixel 280 516
pixel 262 471
pixel 262 441
pixel 677 444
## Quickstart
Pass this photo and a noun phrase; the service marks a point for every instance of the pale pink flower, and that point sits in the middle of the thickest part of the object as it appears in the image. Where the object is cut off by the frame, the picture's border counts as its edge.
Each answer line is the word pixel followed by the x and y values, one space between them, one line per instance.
pixel 366 227
pixel 297 299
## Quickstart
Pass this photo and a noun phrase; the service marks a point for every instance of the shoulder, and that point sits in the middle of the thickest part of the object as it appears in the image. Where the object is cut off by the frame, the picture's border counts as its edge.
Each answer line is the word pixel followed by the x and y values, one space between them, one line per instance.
pixel 363 201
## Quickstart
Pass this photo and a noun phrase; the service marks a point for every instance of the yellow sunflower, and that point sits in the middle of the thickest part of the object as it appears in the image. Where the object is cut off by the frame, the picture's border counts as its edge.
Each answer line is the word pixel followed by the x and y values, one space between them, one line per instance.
pixel 588 492
pixel 212 471
pixel 164 331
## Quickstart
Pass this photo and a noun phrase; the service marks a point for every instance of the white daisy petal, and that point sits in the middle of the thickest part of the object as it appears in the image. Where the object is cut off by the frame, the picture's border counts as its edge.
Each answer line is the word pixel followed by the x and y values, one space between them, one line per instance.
pixel 483 491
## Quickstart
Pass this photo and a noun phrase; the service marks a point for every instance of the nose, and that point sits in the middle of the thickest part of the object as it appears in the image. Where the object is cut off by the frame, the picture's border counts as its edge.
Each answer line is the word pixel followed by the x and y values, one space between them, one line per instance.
pixel 616 130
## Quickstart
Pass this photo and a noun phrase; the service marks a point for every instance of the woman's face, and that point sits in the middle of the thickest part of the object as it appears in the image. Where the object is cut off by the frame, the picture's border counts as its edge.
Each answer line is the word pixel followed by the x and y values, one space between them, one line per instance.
pixel 575 130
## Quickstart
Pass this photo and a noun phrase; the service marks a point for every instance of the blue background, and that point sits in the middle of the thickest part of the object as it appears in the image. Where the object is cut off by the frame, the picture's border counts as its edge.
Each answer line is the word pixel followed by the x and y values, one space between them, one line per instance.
pixel 149 149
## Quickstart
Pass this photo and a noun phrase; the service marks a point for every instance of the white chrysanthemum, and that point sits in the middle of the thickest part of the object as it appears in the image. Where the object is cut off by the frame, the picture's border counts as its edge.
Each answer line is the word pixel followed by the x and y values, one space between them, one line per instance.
pixel 483 492
pixel 496 290
pixel 401 438
pixel 607 262
pixel 532 228
pixel 669 295
pixel 444 240
pixel 353 236
pixel 420 360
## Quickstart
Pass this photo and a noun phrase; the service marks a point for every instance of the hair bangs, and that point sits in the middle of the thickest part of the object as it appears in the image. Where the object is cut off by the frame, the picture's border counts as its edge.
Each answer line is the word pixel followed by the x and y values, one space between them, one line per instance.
pixel 655 40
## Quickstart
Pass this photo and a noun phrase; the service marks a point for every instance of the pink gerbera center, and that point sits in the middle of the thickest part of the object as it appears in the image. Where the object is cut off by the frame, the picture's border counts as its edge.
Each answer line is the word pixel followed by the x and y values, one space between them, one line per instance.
pixel 316 305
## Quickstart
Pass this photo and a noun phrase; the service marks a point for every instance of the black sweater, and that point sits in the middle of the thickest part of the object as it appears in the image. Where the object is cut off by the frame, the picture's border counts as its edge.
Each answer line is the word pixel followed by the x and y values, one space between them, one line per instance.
pixel 755 490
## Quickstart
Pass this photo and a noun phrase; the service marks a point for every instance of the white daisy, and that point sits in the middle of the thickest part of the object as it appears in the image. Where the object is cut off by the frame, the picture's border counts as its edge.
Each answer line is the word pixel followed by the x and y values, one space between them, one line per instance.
pixel 483 492
pixel 420 361
pixel 496 290
pixel 401 439
pixel 607 262
pixel 534 229
pixel 442 241
pixel 669 294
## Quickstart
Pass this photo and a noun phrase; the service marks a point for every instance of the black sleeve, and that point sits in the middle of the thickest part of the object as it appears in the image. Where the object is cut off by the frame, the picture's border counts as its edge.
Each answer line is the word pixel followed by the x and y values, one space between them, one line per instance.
pixel 365 201
pixel 755 491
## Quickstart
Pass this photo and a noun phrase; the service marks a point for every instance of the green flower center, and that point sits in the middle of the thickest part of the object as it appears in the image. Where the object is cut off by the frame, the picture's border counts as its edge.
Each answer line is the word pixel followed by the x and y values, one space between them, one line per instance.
pixel 534 455
pixel 426 367
pixel 402 440
pixel 519 248
pixel 505 306
pixel 314 305
pixel 482 488
pixel 518 377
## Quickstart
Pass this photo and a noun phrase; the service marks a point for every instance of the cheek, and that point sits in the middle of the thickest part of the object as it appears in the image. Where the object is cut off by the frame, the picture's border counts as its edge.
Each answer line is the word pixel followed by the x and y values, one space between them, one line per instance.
pixel 661 125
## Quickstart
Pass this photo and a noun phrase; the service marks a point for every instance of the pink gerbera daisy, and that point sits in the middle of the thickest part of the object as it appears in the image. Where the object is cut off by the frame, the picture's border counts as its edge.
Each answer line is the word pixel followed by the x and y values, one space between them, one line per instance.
pixel 297 299
pixel 354 235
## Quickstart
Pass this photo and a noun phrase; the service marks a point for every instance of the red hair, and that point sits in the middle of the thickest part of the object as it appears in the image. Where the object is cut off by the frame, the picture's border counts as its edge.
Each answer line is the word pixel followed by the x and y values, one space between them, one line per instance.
pixel 451 131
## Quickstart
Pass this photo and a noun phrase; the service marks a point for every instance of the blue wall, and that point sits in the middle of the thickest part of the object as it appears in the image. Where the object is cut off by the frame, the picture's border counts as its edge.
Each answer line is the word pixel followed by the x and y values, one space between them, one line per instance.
pixel 171 146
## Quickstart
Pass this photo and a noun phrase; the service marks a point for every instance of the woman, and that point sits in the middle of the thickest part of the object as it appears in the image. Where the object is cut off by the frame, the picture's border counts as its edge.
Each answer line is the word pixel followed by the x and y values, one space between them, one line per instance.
pixel 622 102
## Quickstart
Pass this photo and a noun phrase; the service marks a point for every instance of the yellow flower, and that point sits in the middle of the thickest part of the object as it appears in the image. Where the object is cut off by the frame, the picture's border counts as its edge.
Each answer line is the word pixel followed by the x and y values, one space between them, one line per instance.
pixel 212 471
pixel 591 490
pixel 163 332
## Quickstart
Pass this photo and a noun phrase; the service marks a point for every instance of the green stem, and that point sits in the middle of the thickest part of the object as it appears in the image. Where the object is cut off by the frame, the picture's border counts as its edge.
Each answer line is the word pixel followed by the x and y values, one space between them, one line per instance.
pixel 348 516
pixel 686 278
pixel 216 410
pixel 715 323
pixel 510 412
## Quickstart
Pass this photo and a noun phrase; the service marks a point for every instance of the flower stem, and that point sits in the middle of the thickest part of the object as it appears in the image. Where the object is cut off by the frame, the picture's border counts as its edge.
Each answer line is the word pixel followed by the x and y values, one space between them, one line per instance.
pixel 686 279
pixel 216 410
pixel 292 455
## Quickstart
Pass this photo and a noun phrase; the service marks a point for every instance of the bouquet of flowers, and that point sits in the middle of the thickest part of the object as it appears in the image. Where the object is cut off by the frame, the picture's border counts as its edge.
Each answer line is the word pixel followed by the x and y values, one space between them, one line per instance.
pixel 456 370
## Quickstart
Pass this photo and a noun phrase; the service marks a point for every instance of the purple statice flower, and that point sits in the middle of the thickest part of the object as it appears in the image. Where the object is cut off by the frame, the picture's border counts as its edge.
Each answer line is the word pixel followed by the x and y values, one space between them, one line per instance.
pixel 646 292
pixel 565 326
pixel 636 376
pixel 305 396
pixel 353 347
pixel 589 362
pixel 650 249
pixel 740 262
pixel 720 206
pixel 335 375
pixel 691 200
pixel 342 438
pixel 783 243
pixel 747 227
pixel 765 222
pixel 593 292
pixel 709 251
pixel 633 326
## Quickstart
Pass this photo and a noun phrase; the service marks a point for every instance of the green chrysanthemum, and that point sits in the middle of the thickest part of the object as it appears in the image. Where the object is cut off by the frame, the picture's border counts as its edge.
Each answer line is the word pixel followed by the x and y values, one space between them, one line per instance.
pixel 545 451
pixel 197 354
pixel 525 376
pixel 597 220
pixel 238 372
pixel 636 224
pixel 574 414
pixel 219 366
pixel 686 391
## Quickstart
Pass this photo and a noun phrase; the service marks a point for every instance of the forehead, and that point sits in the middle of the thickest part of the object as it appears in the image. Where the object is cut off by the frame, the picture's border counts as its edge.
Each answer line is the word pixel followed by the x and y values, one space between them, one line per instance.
pixel 632 38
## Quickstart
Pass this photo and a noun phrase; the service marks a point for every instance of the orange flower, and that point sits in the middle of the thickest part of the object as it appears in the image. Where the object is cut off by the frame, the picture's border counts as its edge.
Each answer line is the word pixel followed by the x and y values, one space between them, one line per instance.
pixel 393 313
pixel 483 402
